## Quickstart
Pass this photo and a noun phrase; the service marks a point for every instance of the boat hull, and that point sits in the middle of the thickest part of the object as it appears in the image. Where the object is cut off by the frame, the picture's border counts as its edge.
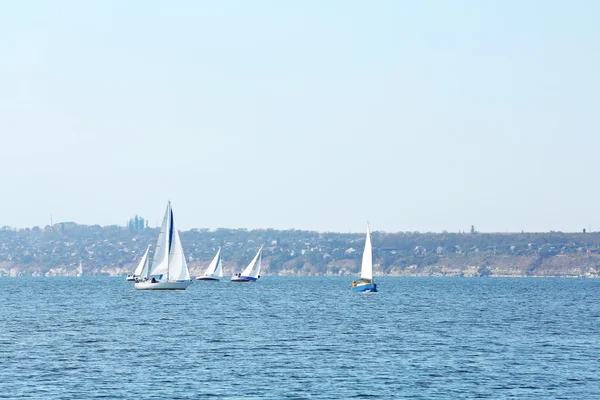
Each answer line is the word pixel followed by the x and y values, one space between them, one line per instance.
pixel 207 278
pixel 149 285
pixel 365 287
pixel 243 279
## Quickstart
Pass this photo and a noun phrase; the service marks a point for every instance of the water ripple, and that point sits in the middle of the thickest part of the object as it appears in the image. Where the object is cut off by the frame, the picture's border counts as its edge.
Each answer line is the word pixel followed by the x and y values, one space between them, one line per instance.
pixel 300 338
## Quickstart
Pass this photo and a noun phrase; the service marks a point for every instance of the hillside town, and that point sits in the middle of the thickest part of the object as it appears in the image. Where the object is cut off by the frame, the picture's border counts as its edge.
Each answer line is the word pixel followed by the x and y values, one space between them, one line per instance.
pixel 57 250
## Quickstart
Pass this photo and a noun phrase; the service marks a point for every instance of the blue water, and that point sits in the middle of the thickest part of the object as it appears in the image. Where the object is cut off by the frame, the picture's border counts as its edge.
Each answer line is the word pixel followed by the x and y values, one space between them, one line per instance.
pixel 298 338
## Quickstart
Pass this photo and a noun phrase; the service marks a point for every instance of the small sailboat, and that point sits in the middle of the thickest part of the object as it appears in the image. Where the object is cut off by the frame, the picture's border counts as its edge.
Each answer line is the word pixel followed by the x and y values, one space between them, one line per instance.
pixel 252 271
pixel 80 270
pixel 214 272
pixel 169 269
pixel 366 283
pixel 141 268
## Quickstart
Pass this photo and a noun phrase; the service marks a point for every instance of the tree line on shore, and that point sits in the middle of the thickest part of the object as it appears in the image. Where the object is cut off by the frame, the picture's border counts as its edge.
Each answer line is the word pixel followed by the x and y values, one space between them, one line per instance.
pixel 293 251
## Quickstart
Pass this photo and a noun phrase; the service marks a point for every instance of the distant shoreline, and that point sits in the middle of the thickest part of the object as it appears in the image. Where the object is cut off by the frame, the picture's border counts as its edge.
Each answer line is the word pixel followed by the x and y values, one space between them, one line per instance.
pixel 226 277
pixel 116 250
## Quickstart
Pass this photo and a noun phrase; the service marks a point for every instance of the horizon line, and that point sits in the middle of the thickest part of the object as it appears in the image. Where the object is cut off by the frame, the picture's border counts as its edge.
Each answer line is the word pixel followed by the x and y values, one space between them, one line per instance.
pixel 3 227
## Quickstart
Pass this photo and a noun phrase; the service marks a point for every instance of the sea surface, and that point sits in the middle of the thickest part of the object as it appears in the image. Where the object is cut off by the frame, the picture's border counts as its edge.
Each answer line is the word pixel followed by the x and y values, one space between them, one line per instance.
pixel 301 338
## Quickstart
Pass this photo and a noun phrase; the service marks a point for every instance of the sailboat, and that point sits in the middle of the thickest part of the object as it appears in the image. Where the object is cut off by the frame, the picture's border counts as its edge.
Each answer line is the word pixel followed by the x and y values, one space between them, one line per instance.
pixel 141 268
pixel 169 270
pixel 366 283
pixel 252 271
pixel 214 272
pixel 80 270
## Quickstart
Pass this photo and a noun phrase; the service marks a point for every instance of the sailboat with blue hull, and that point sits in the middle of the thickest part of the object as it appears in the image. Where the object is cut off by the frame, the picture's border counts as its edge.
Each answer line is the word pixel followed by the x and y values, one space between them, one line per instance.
pixel 366 283
pixel 252 271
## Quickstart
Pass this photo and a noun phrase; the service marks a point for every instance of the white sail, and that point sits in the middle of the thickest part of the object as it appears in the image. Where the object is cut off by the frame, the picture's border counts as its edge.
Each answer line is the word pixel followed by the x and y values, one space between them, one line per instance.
pixel 178 269
pixel 146 270
pixel 256 272
pixel 366 270
pixel 80 269
pixel 215 264
pixel 250 267
pixel 142 267
pixel 160 262
pixel 219 269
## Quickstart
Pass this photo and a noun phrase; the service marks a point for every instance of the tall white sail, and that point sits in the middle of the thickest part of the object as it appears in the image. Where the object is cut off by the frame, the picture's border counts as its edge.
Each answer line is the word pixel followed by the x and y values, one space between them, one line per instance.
pixel 160 262
pixel 256 272
pixel 142 267
pixel 214 266
pixel 219 269
pixel 250 267
pixel 178 269
pixel 366 270
pixel 146 270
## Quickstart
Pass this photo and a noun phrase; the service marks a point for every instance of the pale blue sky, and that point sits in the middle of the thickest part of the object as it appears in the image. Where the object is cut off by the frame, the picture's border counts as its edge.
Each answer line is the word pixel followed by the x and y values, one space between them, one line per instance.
pixel 415 115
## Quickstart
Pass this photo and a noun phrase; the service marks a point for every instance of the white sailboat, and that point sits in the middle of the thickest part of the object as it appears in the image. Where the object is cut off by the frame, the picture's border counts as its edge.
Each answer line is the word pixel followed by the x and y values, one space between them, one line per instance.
pixel 80 270
pixel 169 269
pixel 214 272
pixel 141 268
pixel 366 283
pixel 252 272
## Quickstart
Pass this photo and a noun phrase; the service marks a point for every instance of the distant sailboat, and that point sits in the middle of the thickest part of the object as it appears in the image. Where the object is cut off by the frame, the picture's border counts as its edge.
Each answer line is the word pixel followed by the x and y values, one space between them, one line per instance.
pixel 80 270
pixel 169 269
pixel 366 283
pixel 142 267
pixel 214 272
pixel 252 271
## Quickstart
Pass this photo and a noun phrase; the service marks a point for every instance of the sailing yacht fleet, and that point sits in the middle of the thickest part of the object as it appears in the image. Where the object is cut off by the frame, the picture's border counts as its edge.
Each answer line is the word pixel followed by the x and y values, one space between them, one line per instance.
pixel 169 271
